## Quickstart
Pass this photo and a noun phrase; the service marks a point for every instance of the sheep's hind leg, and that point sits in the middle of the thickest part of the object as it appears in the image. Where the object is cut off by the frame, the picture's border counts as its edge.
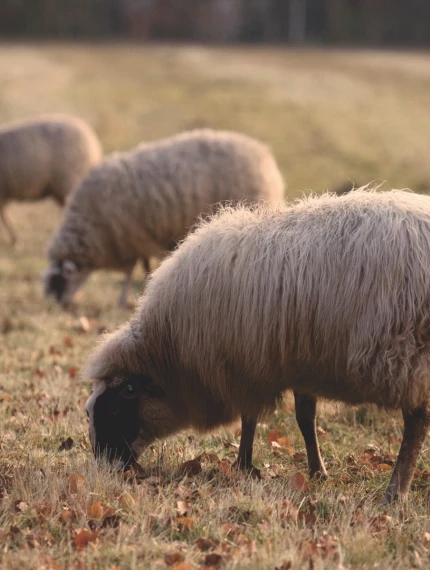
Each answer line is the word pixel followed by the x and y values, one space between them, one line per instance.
pixel 125 288
pixel 416 425
pixel 306 413
pixel 12 235
pixel 244 457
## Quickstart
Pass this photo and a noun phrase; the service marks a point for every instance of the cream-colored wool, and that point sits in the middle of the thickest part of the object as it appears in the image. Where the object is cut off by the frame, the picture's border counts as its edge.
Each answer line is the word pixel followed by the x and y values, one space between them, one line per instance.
pixel 139 204
pixel 48 156
pixel 330 296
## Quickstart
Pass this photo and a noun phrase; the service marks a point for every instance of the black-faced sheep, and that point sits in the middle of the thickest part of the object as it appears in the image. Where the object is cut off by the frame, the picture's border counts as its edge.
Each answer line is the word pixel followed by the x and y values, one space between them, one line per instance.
pixel 329 298
pixel 138 204
pixel 48 156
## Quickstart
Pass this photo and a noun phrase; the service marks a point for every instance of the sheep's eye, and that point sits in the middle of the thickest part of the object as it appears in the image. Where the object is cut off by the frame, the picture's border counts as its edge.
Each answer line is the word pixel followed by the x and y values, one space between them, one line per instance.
pixel 128 391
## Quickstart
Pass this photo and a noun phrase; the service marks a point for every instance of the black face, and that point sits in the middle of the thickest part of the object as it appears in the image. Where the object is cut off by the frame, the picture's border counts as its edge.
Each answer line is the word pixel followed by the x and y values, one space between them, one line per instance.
pixel 56 285
pixel 116 423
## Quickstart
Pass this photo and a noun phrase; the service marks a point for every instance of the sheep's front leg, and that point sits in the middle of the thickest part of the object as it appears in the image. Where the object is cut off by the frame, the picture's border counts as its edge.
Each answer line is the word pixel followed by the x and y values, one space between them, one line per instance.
pixel 416 424
pixel 125 288
pixel 306 413
pixel 12 235
pixel 244 457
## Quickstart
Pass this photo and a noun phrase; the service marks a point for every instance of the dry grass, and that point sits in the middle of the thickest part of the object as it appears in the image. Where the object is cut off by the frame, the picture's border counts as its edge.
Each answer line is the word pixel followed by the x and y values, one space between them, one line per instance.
pixel 329 116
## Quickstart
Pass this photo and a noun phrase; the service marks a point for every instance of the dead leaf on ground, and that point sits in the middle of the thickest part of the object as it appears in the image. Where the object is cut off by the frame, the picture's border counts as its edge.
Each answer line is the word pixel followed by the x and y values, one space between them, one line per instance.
pixel 232 529
pixel 72 371
pixel 184 524
pixel 205 544
pixel 224 466
pixel 297 482
pixel 68 516
pixel 213 559
pixel 183 566
pixel 273 436
pixel 66 444
pixel 190 468
pixel 76 482
pixel 100 511
pixel 83 537
pixel 173 558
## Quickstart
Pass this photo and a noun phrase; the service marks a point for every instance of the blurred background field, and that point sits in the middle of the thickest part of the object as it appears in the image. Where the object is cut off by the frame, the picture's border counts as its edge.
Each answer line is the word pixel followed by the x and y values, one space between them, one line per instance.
pixel 332 115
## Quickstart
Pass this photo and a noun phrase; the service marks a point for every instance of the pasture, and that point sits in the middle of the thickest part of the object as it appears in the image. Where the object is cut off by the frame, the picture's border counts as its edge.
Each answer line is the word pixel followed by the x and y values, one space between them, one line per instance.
pixel 330 117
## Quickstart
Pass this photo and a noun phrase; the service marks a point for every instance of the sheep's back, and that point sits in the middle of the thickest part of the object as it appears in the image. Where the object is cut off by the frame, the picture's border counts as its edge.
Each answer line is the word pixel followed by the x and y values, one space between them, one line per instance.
pixel 45 157
pixel 182 178
pixel 331 295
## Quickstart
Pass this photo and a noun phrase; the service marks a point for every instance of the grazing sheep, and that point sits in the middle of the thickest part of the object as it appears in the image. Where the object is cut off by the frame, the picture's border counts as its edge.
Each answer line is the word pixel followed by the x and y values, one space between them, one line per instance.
pixel 138 204
pixel 329 298
pixel 44 157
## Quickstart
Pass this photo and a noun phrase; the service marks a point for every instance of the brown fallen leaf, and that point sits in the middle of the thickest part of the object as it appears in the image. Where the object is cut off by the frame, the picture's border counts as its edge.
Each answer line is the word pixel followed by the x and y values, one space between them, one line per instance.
pixel 100 511
pixel 273 436
pixel 72 371
pixel 184 524
pixel 383 467
pixel 68 516
pixel 173 558
pixel 183 566
pixel 213 559
pixel 66 445
pixel 190 468
pixel 224 466
pixel 426 538
pixel 298 483
pixel 76 482
pixel 84 537
pixel 205 544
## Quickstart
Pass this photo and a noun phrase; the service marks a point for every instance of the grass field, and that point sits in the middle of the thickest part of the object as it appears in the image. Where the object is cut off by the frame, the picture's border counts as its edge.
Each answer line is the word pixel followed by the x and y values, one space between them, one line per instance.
pixel 329 117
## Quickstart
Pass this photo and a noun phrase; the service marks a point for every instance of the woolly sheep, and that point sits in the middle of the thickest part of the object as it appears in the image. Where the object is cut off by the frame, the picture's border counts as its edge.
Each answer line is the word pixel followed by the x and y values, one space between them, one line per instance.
pixel 48 156
pixel 329 298
pixel 138 204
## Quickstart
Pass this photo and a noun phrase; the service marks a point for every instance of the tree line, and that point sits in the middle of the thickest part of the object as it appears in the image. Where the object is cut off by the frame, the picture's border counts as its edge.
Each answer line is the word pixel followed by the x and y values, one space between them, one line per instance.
pixel 364 22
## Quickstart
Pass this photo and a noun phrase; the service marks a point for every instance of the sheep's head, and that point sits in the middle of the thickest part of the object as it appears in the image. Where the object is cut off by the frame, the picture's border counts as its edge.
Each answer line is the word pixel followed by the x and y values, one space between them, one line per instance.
pixel 62 279
pixel 126 415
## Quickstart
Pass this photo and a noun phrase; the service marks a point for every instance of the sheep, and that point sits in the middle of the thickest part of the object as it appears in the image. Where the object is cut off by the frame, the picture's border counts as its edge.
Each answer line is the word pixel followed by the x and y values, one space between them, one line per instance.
pixel 138 204
pixel 47 156
pixel 329 297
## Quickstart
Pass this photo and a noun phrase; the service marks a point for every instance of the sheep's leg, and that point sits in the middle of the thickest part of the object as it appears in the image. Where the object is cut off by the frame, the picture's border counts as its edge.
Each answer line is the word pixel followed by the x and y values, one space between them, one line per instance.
pixel 125 288
pixel 12 235
pixel 306 413
pixel 416 425
pixel 244 457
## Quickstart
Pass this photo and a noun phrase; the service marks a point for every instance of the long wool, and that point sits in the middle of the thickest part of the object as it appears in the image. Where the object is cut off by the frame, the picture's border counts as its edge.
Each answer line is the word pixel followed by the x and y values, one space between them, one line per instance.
pixel 330 297
pixel 140 203
pixel 45 157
